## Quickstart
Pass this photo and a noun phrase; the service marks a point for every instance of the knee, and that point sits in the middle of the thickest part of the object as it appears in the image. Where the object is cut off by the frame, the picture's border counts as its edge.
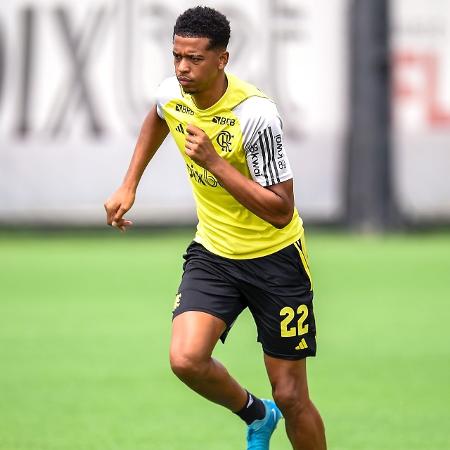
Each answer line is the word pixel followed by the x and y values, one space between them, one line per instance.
pixel 290 398
pixel 187 366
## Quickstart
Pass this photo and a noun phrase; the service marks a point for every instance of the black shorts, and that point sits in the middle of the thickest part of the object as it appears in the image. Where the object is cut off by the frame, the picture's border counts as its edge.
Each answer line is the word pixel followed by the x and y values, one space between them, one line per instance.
pixel 276 288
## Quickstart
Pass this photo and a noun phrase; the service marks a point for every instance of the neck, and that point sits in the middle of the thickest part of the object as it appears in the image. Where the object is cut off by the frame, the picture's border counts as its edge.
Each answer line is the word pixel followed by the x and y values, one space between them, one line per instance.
pixel 212 95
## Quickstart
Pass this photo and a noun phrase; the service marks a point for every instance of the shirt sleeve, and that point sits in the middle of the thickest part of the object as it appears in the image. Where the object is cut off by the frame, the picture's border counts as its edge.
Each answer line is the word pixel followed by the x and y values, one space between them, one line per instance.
pixel 168 89
pixel 263 141
pixel 159 109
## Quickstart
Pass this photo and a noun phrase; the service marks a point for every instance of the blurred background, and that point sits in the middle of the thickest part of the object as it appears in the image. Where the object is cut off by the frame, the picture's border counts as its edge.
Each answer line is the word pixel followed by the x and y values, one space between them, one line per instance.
pixel 363 87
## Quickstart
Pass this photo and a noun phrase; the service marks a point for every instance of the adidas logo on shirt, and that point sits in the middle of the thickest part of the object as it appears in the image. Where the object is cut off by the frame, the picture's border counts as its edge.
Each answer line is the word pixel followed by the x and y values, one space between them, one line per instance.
pixel 180 128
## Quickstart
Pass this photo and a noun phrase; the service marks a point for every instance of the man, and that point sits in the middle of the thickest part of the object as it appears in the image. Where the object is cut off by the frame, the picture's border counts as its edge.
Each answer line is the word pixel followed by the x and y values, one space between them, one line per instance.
pixel 249 249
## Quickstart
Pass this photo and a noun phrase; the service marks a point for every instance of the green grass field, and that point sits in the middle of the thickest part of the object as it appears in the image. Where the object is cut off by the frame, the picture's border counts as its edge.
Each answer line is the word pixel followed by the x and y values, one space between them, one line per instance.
pixel 85 326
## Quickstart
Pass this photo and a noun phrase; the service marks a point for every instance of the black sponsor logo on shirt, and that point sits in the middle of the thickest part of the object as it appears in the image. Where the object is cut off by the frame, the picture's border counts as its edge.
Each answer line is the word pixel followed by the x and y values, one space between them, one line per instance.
pixel 184 109
pixel 266 156
pixel 204 178
pixel 224 140
pixel 253 151
pixel 280 156
pixel 224 121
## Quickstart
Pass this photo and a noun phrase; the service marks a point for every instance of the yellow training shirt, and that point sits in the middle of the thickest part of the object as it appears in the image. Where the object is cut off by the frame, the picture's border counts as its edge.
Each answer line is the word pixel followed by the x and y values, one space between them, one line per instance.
pixel 246 130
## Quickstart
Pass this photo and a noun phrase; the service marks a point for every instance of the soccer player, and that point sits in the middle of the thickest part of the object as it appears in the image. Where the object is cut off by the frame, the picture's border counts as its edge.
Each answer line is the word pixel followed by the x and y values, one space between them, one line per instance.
pixel 249 248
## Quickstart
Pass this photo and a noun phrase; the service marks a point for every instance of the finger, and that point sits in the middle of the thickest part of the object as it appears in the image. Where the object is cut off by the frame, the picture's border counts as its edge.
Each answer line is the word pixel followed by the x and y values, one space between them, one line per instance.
pixel 191 138
pixel 191 147
pixel 192 129
pixel 120 212
pixel 119 227
pixel 110 212
pixel 122 221
pixel 125 225
pixel 122 225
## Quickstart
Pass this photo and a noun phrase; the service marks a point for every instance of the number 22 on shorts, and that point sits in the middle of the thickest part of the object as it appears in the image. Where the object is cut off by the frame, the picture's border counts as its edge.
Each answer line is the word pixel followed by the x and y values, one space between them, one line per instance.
pixel 288 330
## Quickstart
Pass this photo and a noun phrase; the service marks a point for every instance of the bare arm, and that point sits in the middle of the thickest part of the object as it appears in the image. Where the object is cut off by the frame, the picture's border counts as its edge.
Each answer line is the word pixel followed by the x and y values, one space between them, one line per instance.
pixel 274 204
pixel 153 132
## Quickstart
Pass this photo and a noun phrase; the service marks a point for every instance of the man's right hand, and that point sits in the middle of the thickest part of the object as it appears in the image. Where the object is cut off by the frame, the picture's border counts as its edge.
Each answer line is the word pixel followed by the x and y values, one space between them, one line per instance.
pixel 117 205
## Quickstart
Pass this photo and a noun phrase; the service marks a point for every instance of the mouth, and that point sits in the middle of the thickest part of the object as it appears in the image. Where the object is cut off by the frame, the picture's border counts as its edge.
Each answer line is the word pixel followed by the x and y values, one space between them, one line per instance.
pixel 184 81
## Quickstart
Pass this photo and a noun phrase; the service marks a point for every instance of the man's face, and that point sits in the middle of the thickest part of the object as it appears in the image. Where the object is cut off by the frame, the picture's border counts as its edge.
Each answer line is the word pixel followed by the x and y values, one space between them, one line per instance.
pixel 197 66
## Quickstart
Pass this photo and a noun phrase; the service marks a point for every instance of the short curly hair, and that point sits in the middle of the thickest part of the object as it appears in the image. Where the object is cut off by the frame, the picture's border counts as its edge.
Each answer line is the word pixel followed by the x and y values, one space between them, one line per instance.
pixel 203 21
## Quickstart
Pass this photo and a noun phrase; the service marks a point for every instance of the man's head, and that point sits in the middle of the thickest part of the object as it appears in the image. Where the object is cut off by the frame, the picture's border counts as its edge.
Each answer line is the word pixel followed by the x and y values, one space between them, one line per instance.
pixel 204 22
pixel 200 39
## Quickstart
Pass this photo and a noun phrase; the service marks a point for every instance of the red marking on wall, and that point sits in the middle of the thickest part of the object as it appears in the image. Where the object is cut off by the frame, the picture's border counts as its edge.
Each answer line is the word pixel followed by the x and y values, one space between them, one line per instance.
pixel 425 92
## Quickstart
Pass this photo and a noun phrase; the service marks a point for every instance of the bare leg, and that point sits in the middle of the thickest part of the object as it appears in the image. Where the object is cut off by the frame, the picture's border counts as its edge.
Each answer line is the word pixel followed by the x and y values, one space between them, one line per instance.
pixel 304 425
pixel 194 336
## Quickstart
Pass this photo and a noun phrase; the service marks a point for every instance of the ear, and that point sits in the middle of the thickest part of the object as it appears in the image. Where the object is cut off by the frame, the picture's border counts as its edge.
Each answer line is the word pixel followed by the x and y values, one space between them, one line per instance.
pixel 223 60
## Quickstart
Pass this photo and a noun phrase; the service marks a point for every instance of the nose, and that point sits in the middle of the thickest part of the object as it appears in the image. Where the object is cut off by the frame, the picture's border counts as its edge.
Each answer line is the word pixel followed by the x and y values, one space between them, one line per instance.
pixel 183 66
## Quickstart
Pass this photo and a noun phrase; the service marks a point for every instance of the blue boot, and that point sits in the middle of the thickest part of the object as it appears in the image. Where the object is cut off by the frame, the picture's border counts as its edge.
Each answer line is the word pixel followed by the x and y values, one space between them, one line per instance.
pixel 260 431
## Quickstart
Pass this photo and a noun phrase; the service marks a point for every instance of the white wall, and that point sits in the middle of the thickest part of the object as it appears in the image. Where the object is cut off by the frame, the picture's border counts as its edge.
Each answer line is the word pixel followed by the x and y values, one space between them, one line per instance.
pixel 76 79
pixel 421 107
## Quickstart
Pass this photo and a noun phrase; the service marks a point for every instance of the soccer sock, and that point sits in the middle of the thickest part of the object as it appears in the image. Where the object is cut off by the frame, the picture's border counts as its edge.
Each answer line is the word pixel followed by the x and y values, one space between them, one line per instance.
pixel 254 409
